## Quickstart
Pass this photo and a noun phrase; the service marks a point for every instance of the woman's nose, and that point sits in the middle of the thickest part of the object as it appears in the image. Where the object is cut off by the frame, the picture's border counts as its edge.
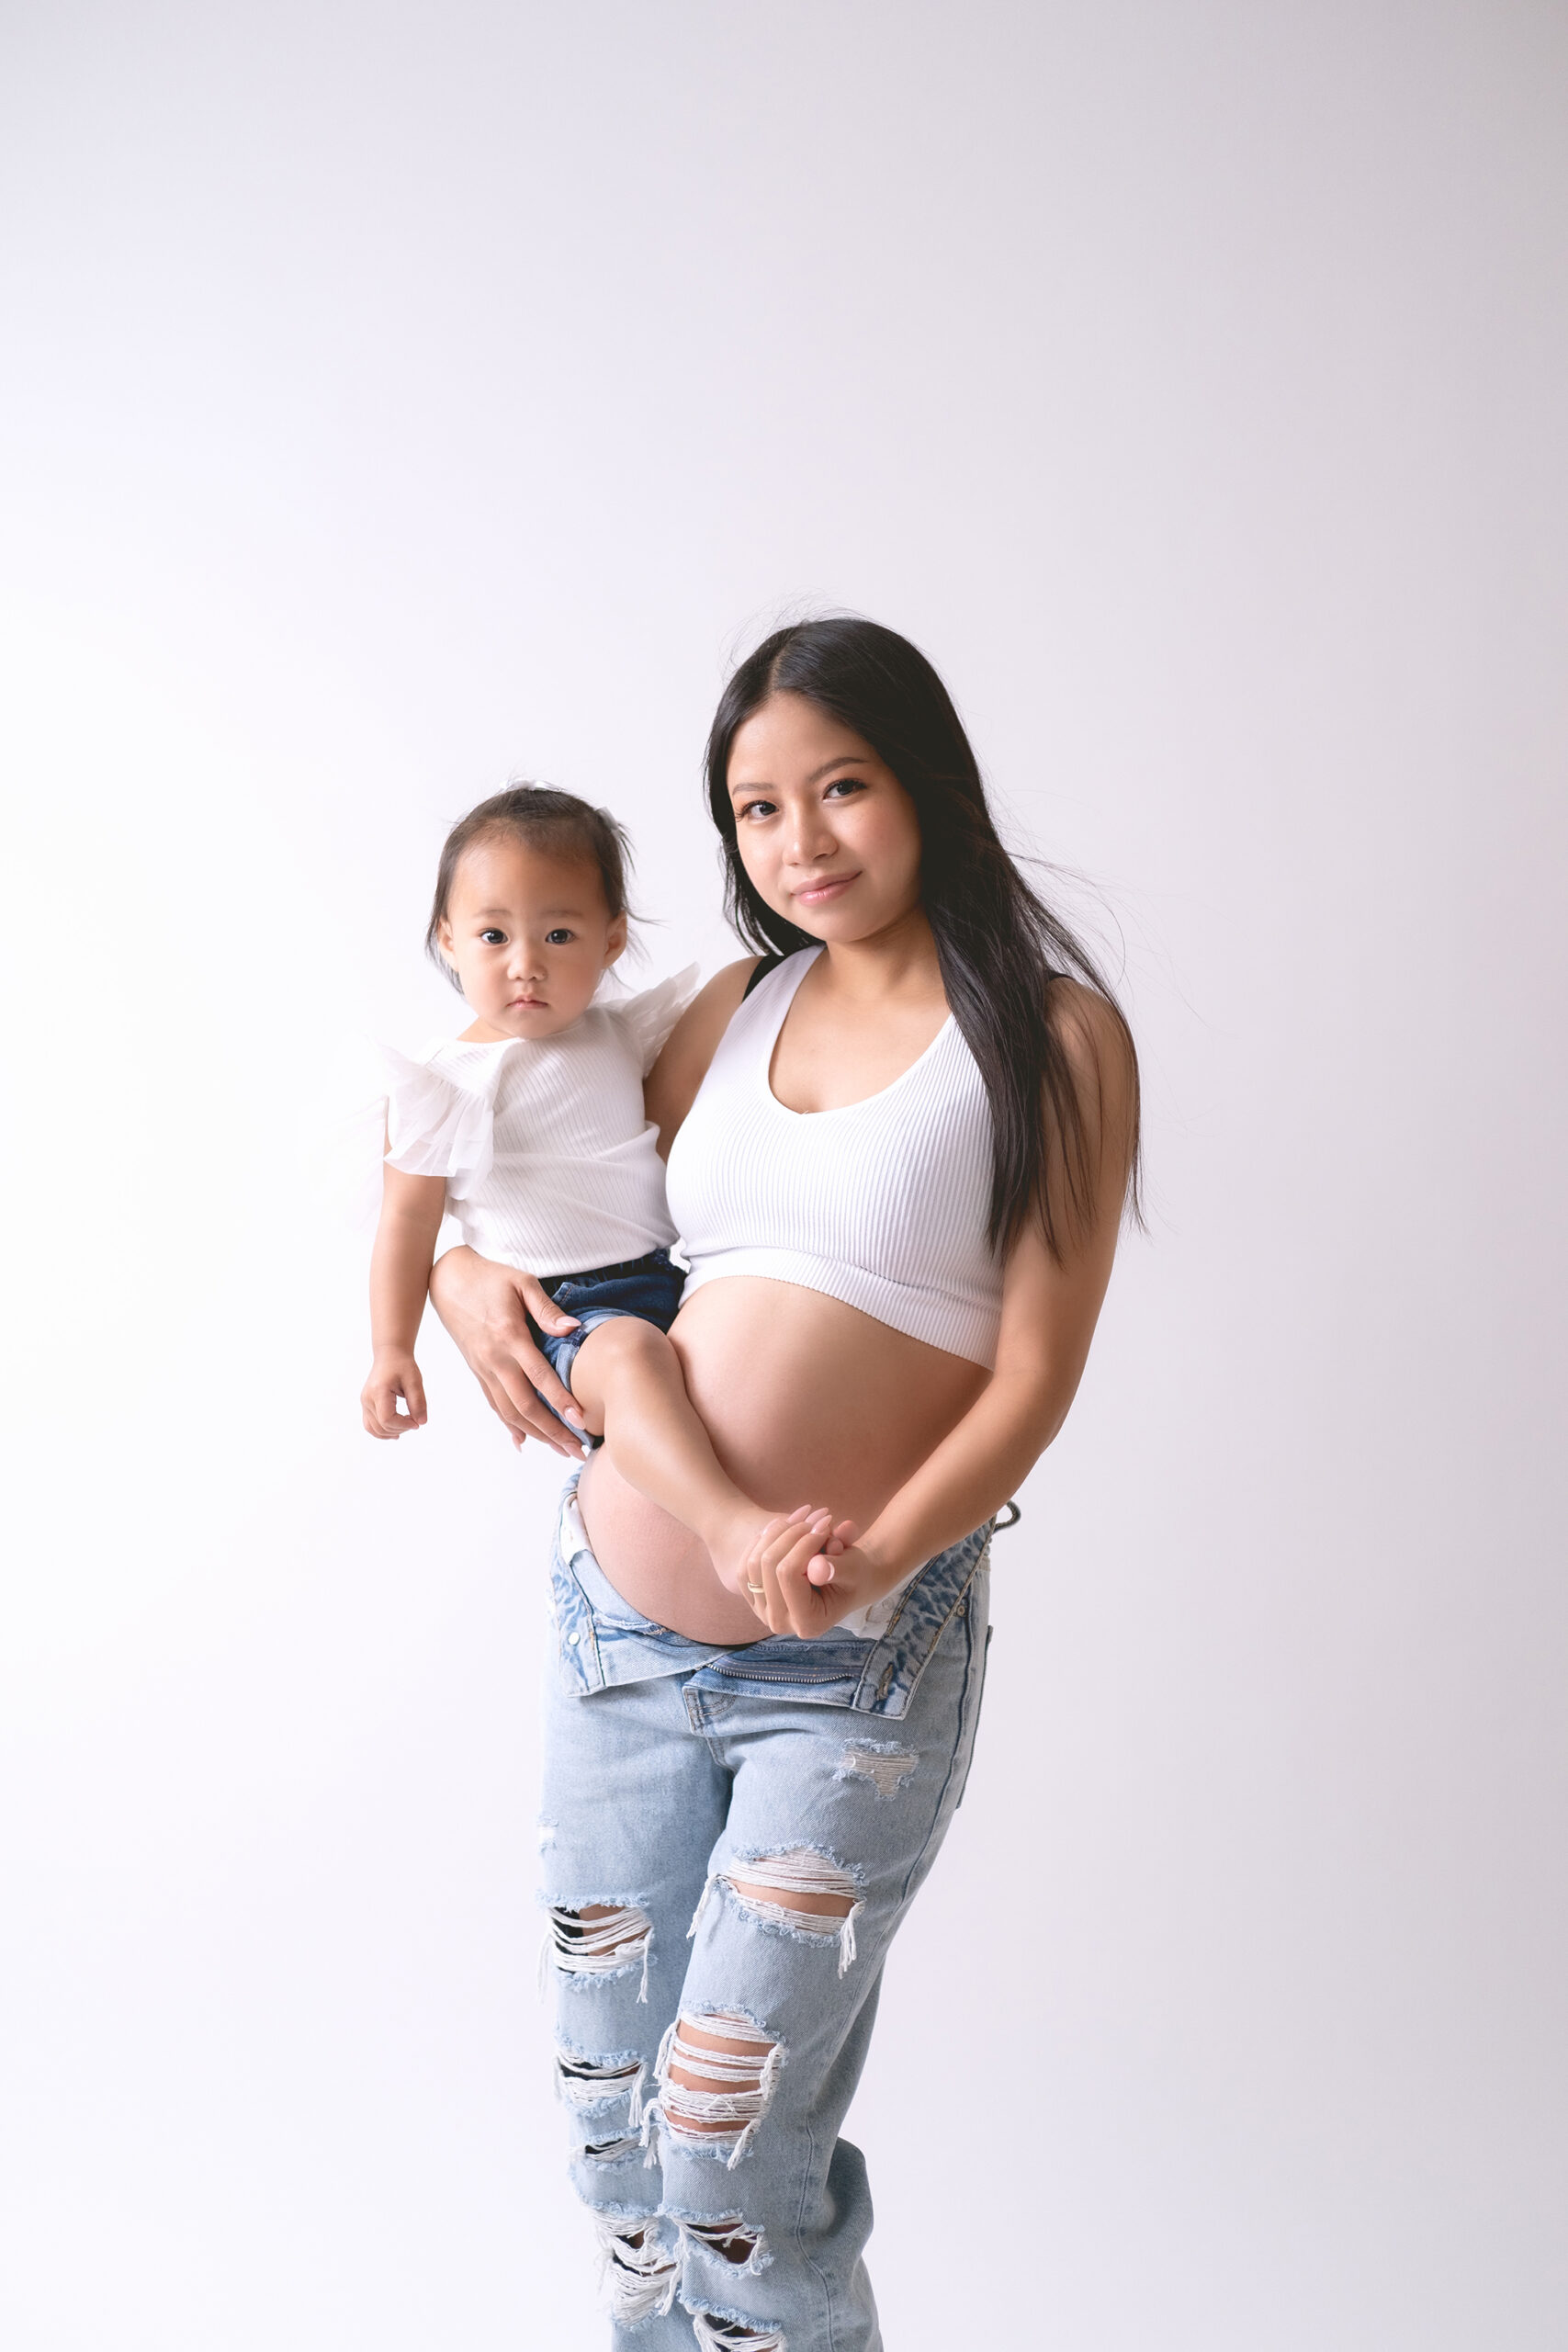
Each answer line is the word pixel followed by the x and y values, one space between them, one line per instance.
pixel 810 838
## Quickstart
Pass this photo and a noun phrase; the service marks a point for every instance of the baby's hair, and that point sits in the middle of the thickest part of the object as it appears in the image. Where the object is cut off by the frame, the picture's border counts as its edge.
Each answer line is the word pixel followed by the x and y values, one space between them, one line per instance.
pixel 557 822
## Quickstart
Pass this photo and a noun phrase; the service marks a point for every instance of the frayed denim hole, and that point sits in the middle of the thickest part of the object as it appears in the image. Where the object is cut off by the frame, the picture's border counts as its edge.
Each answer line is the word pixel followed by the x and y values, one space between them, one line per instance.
pixel 614 1943
pixel 639 2271
pixel 801 1870
pixel 590 2086
pixel 717 2330
pixel 732 2241
pixel 881 1762
pixel 736 2086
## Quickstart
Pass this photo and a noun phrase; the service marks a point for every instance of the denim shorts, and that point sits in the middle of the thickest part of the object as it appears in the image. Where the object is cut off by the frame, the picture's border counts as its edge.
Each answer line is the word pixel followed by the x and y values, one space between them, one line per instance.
pixel 647 1287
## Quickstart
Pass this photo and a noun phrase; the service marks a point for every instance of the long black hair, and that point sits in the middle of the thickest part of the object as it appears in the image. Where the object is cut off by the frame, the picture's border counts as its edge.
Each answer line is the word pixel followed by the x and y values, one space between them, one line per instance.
pixel 1000 949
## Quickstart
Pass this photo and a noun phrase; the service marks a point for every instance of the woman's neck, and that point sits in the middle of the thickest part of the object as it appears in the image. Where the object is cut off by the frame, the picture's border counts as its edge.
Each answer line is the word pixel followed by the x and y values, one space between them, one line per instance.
pixel 897 964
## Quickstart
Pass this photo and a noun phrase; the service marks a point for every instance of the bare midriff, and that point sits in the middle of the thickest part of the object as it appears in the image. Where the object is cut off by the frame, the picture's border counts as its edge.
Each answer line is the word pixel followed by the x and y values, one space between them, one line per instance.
pixel 807 1401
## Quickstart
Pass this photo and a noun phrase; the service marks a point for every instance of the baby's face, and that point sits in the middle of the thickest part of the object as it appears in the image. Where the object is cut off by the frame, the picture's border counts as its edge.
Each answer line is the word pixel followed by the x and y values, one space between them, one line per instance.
pixel 529 936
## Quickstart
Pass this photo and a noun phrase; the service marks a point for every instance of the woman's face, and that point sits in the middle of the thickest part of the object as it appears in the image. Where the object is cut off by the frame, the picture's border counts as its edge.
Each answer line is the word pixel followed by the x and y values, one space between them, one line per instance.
pixel 826 833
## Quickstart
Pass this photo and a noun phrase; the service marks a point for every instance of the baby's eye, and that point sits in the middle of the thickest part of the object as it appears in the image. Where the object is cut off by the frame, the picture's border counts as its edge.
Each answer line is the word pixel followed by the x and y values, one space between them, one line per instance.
pixel 560 938
pixel 493 938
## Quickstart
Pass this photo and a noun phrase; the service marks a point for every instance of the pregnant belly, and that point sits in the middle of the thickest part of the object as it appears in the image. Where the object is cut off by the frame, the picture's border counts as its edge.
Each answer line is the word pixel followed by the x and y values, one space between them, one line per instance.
pixel 807 1401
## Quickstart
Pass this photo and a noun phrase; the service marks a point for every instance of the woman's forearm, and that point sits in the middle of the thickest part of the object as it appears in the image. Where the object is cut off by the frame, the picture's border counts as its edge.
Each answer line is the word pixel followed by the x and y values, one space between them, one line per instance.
pixel 1049 1311
pixel 486 1307
pixel 971 1474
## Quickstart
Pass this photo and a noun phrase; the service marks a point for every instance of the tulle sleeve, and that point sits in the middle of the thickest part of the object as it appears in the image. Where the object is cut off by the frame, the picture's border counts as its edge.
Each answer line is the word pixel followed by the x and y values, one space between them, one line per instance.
pixel 436 1127
pixel 648 1019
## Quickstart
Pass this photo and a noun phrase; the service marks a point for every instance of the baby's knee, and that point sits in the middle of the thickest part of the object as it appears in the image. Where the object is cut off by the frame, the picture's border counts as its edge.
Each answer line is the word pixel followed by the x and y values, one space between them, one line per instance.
pixel 623 1343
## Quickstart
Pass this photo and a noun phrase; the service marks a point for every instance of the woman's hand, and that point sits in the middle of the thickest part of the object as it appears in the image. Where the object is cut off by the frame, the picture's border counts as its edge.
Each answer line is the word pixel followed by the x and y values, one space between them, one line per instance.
pixel 486 1308
pixel 804 1573
pixel 393 1374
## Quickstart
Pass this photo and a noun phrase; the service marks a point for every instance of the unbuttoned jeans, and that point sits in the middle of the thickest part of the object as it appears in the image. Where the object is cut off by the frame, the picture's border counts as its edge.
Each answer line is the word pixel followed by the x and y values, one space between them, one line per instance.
pixel 676 1773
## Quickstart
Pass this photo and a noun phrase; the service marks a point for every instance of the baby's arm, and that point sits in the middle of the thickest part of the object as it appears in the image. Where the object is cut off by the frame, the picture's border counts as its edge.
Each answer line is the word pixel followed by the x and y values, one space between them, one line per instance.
pixel 400 1279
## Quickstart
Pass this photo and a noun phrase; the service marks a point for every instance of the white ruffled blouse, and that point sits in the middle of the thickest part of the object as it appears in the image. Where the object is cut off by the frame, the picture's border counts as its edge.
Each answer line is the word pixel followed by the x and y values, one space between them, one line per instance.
pixel 549 1162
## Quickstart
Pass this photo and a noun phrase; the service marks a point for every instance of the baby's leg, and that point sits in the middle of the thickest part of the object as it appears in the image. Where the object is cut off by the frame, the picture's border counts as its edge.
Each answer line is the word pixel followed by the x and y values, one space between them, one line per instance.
pixel 626 1378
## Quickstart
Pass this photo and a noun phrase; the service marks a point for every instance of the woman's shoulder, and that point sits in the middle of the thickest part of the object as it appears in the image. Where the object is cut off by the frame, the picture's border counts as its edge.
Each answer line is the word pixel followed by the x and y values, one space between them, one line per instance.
pixel 714 1005
pixel 1087 1025
pixel 1096 1043
pixel 683 1064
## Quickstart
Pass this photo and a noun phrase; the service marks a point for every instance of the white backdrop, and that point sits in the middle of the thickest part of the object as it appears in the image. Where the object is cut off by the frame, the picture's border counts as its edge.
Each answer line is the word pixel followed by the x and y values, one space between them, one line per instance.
pixel 400 397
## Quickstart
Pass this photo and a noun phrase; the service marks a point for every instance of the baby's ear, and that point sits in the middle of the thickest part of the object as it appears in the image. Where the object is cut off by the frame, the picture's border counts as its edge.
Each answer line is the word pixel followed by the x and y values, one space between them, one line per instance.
pixel 615 945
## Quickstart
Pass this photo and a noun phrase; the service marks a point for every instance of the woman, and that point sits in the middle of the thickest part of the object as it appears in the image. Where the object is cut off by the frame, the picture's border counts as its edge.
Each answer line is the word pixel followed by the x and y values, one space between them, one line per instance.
pixel 900 1143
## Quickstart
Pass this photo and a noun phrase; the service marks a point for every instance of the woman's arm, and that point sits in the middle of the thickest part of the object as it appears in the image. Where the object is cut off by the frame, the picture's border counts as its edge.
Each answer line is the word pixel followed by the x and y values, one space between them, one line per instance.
pixel 486 1307
pixel 400 1280
pixel 671 1087
pixel 1049 1312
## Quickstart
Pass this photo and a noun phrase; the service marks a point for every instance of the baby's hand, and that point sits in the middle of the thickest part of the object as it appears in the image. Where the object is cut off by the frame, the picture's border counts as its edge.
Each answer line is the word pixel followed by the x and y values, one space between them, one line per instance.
pixel 394 1373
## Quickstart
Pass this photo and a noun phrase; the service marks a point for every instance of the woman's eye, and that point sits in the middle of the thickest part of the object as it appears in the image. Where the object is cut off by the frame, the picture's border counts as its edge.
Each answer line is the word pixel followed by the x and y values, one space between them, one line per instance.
pixel 560 938
pixel 846 783
pixel 493 938
pixel 758 809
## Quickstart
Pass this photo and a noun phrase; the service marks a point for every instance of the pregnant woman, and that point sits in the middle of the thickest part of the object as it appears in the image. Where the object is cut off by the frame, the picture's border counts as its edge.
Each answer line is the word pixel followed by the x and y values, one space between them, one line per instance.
pixel 900 1143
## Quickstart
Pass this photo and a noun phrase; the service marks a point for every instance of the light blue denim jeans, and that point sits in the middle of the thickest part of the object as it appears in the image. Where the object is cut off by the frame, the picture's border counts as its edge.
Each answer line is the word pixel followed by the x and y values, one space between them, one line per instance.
pixel 731 2214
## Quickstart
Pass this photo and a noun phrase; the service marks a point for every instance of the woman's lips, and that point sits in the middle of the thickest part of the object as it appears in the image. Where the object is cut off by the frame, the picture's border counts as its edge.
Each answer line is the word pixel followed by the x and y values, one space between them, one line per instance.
pixel 817 894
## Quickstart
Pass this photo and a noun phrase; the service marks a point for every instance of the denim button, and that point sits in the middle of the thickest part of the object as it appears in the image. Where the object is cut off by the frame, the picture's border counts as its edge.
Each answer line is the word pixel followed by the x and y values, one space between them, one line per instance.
pixel 572 1641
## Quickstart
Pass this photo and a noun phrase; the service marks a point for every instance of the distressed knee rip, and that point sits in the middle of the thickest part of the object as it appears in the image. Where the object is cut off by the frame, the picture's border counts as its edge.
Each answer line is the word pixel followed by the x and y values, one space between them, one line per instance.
pixel 599 1939
pixel 640 2273
pixel 805 1894
pixel 587 2084
pixel 730 2240
pixel 716 2334
pixel 717 2073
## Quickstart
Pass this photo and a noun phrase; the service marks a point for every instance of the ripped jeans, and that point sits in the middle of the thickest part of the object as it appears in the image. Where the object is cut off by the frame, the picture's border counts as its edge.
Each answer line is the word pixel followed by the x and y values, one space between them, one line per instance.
pixel 709 2033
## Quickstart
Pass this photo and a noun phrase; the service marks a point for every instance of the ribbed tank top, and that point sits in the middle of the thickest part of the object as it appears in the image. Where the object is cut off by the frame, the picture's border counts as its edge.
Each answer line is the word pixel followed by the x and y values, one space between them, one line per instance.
pixel 882 1204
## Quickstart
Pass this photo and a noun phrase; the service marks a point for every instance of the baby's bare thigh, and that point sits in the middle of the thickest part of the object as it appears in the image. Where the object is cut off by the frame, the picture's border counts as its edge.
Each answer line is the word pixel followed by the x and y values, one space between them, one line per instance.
pixel 626 1350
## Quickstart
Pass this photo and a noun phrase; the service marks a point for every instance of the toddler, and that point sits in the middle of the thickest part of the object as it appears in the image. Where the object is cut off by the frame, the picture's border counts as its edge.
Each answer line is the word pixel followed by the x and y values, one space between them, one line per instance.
pixel 529 1129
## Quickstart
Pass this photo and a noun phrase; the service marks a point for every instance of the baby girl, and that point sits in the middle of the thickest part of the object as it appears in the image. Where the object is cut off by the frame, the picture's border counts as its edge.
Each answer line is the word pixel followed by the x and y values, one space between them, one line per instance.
pixel 529 1130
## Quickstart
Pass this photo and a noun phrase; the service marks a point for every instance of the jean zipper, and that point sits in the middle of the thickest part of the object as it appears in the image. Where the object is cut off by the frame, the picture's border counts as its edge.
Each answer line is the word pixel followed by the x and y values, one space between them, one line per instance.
pixel 781 1674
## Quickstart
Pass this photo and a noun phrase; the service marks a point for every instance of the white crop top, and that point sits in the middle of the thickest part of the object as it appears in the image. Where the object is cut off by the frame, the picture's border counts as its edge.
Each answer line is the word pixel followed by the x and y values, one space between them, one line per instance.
pixel 549 1162
pixel 882 1204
